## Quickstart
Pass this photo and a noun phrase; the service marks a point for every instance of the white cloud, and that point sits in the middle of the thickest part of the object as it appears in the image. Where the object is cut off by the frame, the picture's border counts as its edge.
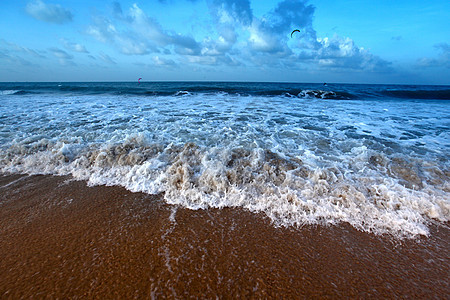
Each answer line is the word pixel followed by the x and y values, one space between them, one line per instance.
pixel 185 45
pixel 12 47
pixel 52 13
pixel 103 30
pixel 60 53
pixel 106 58
pixel 266 40
pixel 139 34
pixel 160 61
pixel 443 60
pixel 127 42
pixel 271 33
pixel 339 52
pixel 150 30
pixel 230 11
pixel 74 46
pixel 271 43
pixel 133 32
pixel 64 58
pixel 147 27
pixel 214 60
pixel 229 16
pixel 13 60
pixel 13 54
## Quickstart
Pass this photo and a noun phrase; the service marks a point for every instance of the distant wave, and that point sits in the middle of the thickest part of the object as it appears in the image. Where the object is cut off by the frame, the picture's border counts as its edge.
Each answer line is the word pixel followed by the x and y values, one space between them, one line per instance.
pixel 18 92
pixel 182 93
pixel 12 92
pixel 291 90
pixel 179 91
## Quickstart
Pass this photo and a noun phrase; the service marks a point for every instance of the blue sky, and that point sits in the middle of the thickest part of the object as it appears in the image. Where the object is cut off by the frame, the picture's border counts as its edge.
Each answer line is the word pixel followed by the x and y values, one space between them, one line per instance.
pixel 347 41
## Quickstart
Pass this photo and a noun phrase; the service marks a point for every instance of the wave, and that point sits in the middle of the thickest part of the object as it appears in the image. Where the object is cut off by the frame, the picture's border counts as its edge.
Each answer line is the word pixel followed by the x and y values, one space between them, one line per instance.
pixel 371 191
pixel 214 90
pixel 320 94
pixel 9 92
pixel 303 91
pixel 16 92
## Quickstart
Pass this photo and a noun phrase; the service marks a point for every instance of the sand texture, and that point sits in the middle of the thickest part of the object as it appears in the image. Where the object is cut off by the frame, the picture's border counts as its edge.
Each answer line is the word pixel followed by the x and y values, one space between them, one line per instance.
pixel 60 238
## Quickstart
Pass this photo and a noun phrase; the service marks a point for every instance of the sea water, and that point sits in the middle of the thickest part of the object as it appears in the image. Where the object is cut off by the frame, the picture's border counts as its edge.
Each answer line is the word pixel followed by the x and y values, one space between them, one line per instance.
pixel 375 156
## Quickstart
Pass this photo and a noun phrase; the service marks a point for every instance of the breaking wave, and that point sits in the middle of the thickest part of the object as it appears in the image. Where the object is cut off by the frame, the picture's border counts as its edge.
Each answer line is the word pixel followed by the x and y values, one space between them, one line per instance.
pixel 14 92
pixel 371 191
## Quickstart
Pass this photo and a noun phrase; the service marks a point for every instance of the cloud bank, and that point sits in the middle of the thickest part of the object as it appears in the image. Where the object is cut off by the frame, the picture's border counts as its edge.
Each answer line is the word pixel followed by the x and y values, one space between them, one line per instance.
pixel 240 38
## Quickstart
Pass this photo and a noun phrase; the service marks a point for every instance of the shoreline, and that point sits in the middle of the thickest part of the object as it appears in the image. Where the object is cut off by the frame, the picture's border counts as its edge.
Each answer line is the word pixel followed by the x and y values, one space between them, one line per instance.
pixel 62 238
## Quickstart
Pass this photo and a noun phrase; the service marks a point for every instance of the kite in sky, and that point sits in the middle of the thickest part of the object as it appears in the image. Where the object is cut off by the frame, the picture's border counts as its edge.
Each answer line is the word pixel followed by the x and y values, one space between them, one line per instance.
pixel 139 80
pixel 295 30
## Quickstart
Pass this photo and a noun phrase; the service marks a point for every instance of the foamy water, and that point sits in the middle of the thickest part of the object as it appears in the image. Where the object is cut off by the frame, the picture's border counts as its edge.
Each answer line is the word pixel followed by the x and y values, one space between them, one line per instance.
pixel 300 154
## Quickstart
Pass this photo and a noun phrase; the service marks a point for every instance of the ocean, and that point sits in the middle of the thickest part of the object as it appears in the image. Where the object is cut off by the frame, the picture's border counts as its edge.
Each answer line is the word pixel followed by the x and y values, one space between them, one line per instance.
pixel 373 156
pixel 224 190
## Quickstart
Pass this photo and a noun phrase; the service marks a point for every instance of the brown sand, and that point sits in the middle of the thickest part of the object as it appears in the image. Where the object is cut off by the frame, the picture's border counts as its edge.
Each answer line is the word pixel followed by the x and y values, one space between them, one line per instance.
pixel 62 239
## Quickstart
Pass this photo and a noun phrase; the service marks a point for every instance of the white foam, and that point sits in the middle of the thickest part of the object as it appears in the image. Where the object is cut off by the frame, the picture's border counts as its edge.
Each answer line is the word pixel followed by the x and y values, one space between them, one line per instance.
pixel 291 193
pixel 8 92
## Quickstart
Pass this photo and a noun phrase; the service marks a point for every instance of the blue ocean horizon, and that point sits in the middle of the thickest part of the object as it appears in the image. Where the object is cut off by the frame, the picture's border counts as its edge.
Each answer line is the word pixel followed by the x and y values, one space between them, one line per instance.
pixel 168 88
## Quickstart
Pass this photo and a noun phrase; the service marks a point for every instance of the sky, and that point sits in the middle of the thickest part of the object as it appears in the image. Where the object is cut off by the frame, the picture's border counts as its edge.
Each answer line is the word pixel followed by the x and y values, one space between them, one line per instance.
pixel 345 41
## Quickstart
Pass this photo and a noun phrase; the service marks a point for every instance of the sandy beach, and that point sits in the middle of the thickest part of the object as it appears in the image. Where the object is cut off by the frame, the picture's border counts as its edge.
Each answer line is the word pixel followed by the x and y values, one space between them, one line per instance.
pixel 60 238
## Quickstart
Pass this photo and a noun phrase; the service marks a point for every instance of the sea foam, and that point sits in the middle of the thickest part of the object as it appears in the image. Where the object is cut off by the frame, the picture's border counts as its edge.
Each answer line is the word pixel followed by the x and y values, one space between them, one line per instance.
pixel 371 196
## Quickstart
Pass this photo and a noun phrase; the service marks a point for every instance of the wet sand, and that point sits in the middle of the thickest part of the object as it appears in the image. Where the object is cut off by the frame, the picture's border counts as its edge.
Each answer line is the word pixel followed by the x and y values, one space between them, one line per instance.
pixel 60 238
